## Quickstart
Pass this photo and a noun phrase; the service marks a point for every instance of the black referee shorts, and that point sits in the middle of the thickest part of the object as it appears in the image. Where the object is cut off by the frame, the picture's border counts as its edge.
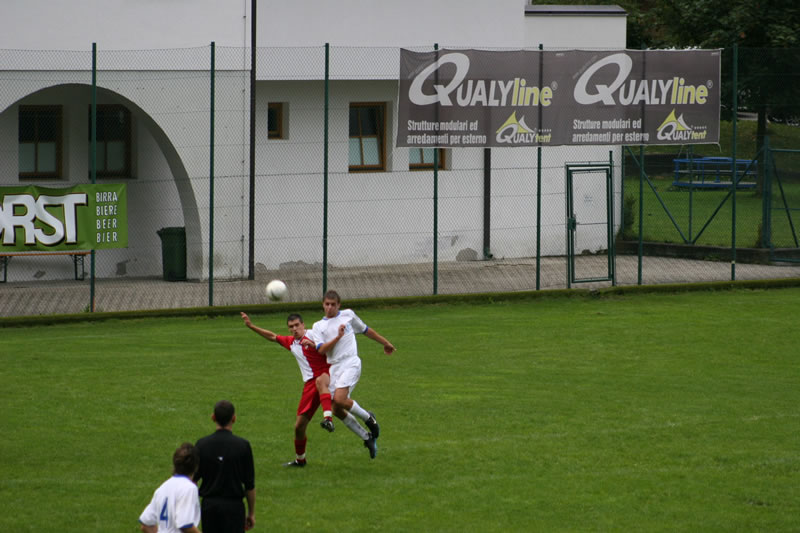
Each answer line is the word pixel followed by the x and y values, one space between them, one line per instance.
pixel 222 515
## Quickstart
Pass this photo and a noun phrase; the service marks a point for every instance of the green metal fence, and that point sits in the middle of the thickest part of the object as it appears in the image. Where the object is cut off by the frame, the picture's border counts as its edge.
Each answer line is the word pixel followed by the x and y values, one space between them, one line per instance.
pixel 321 198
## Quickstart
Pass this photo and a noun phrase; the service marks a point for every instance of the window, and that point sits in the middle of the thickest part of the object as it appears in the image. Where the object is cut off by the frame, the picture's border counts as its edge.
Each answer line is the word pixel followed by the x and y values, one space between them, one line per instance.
pixel 40 141
pixel 275 121
pixel 367 149
pixel 422 158
pixel 113 141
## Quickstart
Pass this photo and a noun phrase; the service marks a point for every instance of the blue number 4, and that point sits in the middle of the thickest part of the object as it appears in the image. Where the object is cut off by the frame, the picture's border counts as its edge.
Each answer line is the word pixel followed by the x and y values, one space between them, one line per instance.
pixel 163 515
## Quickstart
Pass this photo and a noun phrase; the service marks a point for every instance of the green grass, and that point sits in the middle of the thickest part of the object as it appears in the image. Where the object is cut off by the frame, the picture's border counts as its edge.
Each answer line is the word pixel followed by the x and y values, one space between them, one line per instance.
pixel 646 412
pixel 693 212
pixel 709 211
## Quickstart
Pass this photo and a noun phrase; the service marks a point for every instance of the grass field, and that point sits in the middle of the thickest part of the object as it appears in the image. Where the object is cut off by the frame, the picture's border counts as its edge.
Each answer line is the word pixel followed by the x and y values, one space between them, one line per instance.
pixel 693 212
pixel 660 412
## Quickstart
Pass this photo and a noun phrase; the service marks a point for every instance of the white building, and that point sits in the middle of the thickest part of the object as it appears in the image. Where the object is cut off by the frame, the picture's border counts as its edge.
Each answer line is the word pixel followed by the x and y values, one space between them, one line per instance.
pixel 154 92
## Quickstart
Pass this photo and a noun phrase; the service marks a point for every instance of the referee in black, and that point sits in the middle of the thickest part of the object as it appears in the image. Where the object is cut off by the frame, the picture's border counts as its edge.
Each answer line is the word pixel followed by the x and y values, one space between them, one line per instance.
pixel 225 476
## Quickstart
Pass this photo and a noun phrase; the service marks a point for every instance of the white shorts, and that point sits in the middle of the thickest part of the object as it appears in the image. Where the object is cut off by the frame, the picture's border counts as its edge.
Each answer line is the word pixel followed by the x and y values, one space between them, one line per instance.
pixel 345 374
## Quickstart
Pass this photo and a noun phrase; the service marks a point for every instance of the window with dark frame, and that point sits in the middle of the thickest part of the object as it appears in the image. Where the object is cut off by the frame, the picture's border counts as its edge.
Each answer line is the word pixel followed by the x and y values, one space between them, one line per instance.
pixel 275 120
pixel 113 141
pixel 40 142
pixel 367 137
pixel 422 158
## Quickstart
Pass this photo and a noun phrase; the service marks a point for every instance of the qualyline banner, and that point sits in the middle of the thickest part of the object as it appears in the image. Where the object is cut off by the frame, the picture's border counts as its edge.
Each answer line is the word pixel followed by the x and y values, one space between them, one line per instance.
pixel 83 217
pixel 473 98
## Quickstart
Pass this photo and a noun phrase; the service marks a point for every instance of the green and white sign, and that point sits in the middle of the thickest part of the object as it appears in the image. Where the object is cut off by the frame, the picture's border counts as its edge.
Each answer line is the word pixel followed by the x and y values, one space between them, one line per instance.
pixel 82 217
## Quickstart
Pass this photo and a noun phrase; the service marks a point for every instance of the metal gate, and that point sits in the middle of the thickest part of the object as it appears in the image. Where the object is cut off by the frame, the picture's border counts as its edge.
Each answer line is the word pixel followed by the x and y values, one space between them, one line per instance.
pixel 781 216
pixel 590 223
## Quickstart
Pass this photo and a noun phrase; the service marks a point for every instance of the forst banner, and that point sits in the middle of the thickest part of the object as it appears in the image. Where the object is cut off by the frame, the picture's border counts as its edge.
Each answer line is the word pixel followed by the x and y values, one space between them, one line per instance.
pixel 476 98
pixel 82 217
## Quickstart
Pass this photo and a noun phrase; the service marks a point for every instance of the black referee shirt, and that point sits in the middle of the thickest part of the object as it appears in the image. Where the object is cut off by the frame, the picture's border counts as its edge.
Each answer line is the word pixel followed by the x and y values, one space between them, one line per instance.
pixel 226 466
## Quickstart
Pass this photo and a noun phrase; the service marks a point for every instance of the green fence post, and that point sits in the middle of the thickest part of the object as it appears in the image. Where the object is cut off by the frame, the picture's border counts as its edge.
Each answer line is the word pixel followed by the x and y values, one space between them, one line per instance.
pixel 211 185
pixel 641 213
pixel 691 188
pixel 539 182
pixel 766 201
pixel 93 164
pixel 612 253
pixel 251 207
pixel 325 175
pixel 436 195
pixel 733 161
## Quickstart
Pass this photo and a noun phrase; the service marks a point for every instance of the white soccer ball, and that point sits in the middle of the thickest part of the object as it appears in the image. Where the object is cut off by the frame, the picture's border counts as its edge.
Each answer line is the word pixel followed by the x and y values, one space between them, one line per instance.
pixel 276 290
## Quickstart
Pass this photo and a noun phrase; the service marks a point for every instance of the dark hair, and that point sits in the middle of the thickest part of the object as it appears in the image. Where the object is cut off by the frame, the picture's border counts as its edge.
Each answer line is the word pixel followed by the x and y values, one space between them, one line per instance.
pixel 223 412
pixel 332 295
pixel 185 460
pixel 294 316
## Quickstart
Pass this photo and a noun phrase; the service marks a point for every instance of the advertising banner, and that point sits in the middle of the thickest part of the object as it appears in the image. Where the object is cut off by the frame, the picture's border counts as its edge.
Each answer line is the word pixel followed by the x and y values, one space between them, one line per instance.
pixel 82 217
pixel 476 98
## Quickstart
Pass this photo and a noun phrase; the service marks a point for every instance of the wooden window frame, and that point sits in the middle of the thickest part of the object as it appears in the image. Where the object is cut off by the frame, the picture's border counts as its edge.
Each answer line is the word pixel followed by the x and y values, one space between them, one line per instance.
pixel 57 173
pixel 276 133
pixel 107 109
pixel 381 167
pixel 428 166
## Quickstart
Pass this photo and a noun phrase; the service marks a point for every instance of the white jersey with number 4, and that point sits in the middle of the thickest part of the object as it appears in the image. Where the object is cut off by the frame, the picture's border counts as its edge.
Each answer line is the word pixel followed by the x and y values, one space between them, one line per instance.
pixel 328 328
pixel 175 505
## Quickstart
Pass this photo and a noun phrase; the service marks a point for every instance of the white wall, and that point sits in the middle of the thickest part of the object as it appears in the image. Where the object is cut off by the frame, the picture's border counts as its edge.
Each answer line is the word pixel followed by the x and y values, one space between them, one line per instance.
pixel 575 31
pixel 152 24
pixel 374 217
pixel 122 24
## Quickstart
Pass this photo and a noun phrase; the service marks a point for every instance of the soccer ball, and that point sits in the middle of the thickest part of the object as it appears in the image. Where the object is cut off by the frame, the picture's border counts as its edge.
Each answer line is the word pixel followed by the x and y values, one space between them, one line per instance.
pixel 276 290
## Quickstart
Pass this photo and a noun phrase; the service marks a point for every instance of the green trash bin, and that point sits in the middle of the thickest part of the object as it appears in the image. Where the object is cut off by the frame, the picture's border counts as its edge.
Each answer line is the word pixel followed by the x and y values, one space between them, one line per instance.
pixel 173 253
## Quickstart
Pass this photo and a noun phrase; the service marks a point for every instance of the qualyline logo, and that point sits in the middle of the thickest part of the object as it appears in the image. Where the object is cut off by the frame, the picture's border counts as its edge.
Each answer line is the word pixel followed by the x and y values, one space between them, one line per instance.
pixel 474 93
pixel 635 92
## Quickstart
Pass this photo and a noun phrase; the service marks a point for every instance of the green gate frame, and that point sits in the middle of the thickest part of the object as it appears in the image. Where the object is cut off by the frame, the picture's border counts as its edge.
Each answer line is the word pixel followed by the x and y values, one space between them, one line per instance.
pixel 572 222
pixel 772 174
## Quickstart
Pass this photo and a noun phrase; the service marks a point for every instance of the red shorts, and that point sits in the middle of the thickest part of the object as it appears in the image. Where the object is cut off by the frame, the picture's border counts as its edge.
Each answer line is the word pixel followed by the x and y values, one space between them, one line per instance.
pixel 310 399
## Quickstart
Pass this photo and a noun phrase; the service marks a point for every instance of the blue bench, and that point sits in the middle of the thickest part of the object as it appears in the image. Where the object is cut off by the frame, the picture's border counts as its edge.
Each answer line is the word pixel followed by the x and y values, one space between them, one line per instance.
pixel 713 173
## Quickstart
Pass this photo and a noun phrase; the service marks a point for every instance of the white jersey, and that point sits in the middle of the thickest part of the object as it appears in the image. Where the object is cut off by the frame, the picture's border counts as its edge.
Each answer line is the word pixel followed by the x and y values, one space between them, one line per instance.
pixel 328 328
pixel 175 505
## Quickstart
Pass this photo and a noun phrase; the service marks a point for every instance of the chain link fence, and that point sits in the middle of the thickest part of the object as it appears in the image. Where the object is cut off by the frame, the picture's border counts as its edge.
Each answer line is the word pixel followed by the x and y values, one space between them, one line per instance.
pixel 333 203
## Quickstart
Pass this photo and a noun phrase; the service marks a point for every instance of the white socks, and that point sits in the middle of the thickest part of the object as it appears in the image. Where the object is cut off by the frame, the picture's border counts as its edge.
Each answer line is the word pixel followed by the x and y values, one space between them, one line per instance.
pixel 351 422
pixel 359 411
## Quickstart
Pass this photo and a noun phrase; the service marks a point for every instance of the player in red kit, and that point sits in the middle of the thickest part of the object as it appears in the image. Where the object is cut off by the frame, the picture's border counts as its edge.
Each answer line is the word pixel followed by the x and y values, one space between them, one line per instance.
pixel 314 368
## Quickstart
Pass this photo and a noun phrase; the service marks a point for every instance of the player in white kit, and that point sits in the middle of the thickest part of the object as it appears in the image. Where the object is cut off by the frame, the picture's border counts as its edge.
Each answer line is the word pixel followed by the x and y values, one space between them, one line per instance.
pixel 175 507
pixel 335 337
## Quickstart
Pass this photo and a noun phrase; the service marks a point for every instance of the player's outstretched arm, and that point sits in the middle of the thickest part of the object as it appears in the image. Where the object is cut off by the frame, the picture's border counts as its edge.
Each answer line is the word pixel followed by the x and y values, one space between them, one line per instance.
pixel 388 347
pixel 267 334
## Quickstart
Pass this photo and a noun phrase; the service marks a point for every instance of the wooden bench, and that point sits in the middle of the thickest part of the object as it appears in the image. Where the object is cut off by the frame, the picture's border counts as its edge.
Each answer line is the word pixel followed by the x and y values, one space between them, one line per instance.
pixel 78 257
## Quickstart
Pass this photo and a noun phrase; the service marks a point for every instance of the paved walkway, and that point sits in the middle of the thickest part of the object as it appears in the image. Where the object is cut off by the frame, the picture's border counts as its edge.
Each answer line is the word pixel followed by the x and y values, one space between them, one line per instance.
pixel 305 285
